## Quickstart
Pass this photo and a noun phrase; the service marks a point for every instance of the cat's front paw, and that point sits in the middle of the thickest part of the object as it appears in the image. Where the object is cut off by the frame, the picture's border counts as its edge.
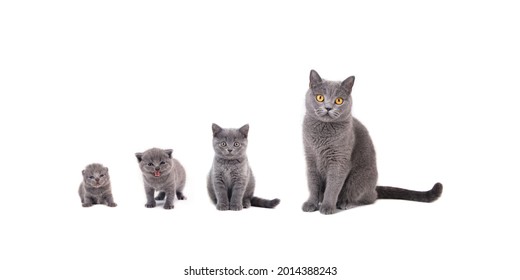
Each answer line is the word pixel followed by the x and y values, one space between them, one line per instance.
pixel 235 207
pixel 150 204
pixel 168 206
pixel 327 209
pixel 86 204
pixel 309 206
pixel 113 204
pixel 222 207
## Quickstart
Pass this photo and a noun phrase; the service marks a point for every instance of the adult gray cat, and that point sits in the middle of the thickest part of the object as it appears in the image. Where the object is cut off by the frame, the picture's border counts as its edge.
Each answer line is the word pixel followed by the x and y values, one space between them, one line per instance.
pixel 95 188
pixel 341 160
pixel 230 181
pixel 161 173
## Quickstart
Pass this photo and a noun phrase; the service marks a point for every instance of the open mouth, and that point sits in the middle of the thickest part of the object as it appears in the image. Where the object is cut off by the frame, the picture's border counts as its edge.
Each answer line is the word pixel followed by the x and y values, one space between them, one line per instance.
pixel 157 173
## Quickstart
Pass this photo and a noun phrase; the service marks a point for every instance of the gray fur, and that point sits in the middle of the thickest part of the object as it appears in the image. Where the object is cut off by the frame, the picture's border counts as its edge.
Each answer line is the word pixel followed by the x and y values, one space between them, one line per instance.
pixel 161 173
pixel 95 188
pixel 230 181
pixel 340 156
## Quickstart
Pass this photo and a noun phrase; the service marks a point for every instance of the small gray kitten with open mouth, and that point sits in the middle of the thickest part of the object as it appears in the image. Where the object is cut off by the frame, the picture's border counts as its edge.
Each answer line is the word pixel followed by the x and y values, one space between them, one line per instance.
pixel 95 188
pixel 163 174
pixel 231 183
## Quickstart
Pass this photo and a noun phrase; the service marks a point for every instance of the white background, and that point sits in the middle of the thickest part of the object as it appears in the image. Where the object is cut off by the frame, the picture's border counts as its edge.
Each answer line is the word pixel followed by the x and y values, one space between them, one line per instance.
pixel 96 81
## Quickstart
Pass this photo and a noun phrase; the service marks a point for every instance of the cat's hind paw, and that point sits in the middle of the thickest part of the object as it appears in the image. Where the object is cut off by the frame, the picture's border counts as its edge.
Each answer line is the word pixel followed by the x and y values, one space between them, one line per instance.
pixel 113 204
pixel 86 204
pixel 180 196
pixel 309 206
pixel 160 196
pixel 342 205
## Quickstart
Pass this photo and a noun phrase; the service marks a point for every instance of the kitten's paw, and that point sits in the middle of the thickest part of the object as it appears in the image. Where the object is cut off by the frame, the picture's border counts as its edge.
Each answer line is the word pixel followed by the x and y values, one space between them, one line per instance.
pixel 309 206
pixel 168 206
pixel 86 204
pixel 246 204
pixel 222 207
pixel 113 204
pixel 150 204
pixel 180 196
pixel 327 209
pixel 160 196
pixel 235 207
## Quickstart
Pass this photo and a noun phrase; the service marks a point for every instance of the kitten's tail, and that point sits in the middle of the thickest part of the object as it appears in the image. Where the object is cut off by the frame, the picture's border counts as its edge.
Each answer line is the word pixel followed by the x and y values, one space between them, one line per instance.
pixel 398 193
pixel 265 203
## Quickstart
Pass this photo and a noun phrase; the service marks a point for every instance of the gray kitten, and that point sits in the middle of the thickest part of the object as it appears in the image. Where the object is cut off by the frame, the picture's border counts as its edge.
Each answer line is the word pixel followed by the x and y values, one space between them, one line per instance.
pixel 95 188
pixel 341 160
pixel 161 173
pixel 230 181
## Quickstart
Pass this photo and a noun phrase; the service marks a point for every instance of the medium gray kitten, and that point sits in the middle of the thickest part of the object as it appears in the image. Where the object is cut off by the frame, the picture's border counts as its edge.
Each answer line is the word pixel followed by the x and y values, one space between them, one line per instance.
pixel 161 173
pixel 341 160
pixel 95 188
pixel 230 181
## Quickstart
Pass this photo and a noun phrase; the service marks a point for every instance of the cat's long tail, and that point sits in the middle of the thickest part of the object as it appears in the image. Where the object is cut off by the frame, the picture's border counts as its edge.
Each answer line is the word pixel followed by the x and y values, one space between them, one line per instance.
pixel 265 203
pixel 398 193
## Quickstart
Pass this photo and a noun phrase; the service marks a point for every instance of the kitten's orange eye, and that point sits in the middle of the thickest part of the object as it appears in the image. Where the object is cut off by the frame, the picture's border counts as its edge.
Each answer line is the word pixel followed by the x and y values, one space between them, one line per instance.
pixel 320 98
pixel 339 101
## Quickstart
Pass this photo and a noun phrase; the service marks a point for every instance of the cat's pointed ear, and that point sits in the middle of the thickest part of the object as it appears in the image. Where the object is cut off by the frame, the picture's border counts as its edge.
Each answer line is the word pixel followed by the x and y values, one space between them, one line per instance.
pixel 244 130
pixel 169 152
pixel 314 79
pixel 216 129
pixel 139 156
pixel 348 83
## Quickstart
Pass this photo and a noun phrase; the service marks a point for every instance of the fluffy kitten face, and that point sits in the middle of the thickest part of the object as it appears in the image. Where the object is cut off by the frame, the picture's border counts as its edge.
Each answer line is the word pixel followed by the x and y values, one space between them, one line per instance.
pixel 96 175
pixel 329 101
pixel 155 162
pixel 230 143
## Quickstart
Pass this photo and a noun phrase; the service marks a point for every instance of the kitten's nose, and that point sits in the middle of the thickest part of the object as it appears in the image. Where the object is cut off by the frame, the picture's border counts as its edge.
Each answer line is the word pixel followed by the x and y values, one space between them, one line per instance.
pixel 97 180
pixel 229 150
pixel 157 168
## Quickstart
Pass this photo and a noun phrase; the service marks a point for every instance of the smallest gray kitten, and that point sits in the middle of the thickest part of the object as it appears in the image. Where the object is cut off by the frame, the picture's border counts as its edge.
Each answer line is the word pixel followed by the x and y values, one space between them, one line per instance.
pixel 95 188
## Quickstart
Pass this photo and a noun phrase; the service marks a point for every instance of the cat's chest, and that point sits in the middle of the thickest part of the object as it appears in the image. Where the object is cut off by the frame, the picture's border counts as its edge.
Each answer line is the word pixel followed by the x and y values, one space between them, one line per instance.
pixel 230 175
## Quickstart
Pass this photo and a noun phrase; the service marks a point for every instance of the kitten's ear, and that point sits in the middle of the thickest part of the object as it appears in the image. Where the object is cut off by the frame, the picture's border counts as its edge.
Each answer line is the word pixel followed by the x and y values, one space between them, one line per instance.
pixel 169 152
pixel 348 83
pixel 216 129
pixel 139 156
pixel 244 130
pixel 83 172
pixel 314 79
pixel 106 169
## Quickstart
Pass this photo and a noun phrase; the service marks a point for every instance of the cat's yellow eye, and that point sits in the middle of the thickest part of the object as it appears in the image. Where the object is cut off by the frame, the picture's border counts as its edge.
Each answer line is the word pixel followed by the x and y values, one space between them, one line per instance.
pixel 320 98
pixel 339 101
